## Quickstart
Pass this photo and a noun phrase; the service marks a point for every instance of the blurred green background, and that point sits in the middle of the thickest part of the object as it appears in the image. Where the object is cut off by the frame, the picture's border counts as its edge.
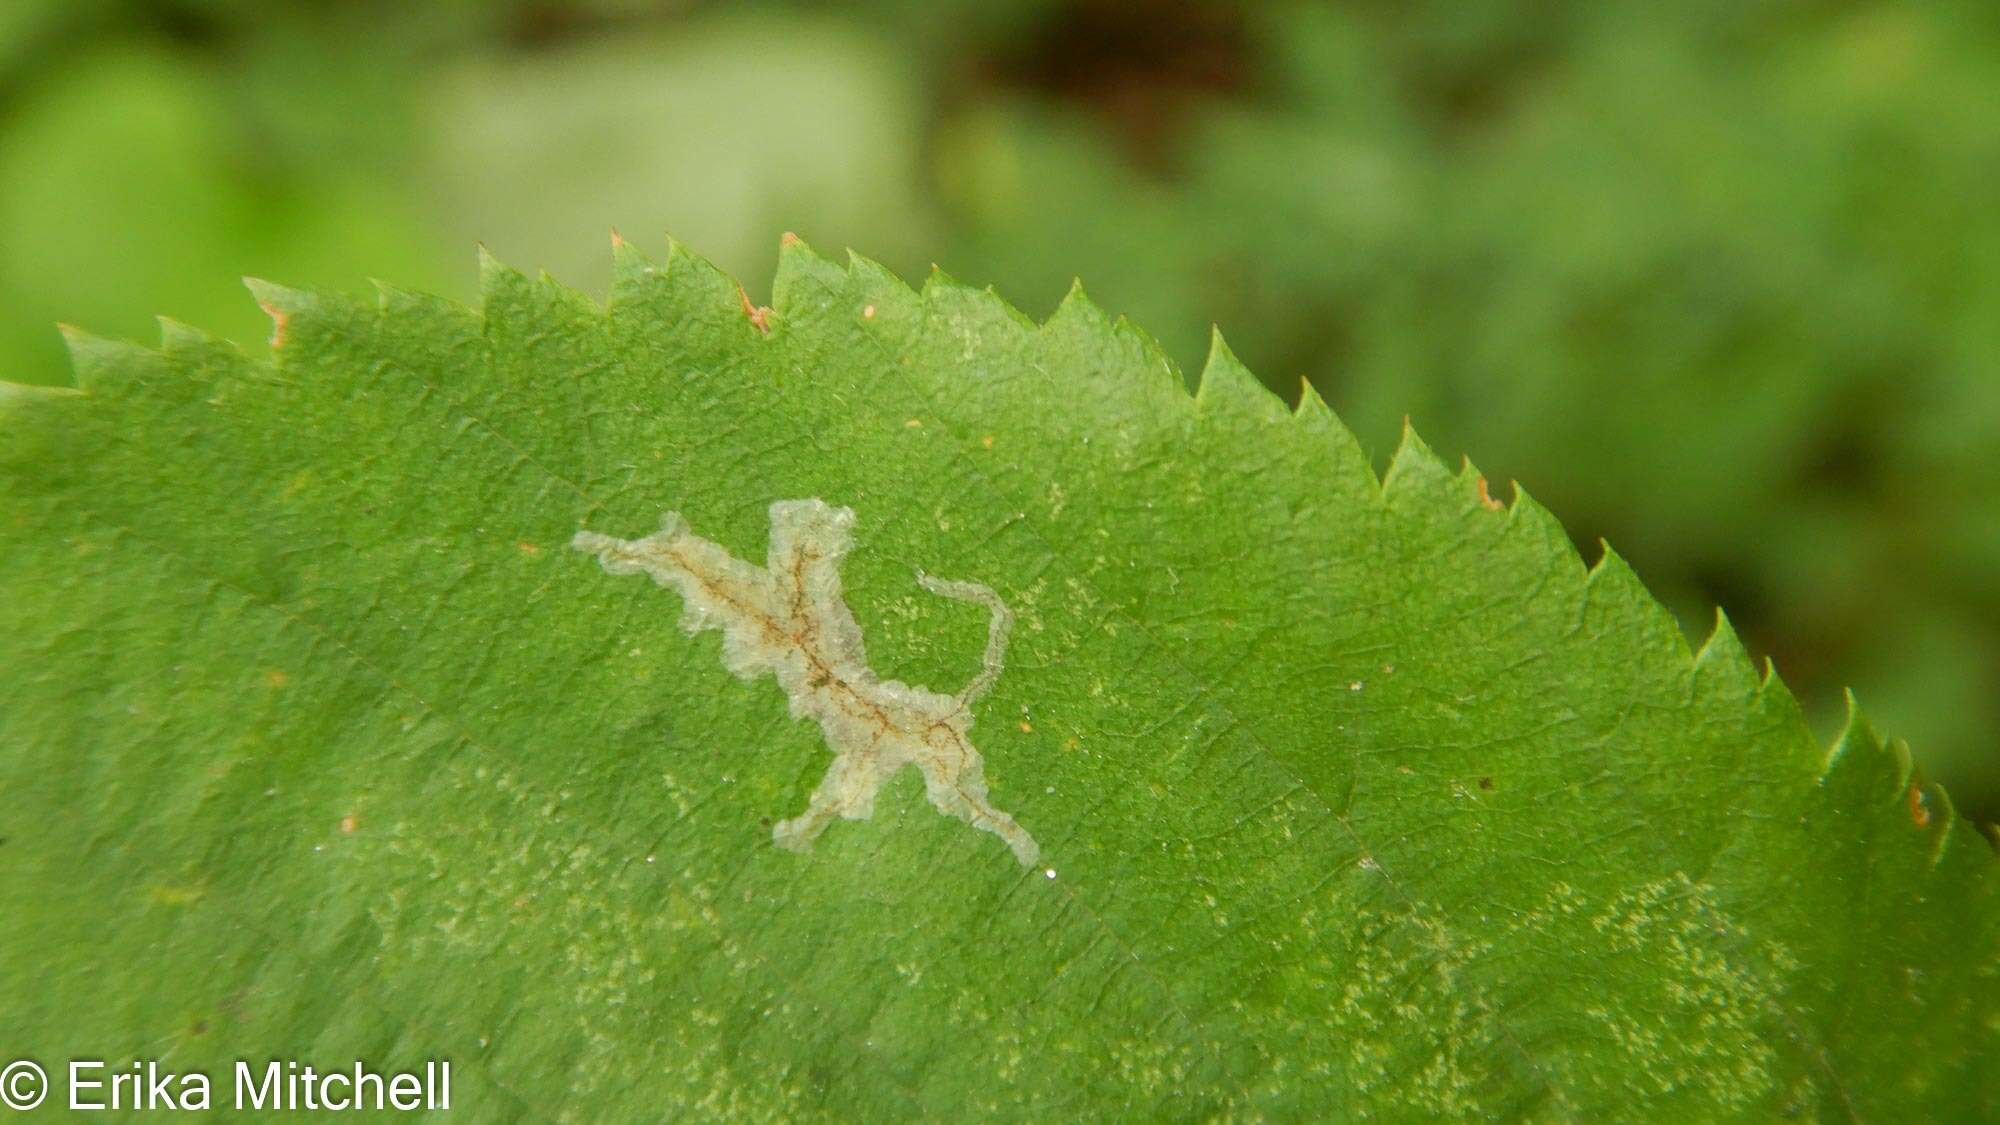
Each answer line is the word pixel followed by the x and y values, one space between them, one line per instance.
pixel 1719 281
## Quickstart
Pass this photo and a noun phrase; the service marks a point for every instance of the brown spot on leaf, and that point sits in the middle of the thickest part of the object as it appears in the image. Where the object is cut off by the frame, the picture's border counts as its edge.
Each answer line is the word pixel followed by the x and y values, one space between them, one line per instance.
pixel 528 548
pixel 348 824
pixel 1486 783
pixel 759 315
pixel 280 320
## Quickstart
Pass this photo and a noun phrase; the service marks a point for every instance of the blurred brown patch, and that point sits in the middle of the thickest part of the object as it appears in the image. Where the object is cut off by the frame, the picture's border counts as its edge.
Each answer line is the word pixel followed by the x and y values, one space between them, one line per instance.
pixel 1140 67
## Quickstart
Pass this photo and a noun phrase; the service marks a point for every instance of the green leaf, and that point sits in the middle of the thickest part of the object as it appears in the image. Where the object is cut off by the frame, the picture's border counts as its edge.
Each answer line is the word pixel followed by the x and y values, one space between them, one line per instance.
pixel 1349 796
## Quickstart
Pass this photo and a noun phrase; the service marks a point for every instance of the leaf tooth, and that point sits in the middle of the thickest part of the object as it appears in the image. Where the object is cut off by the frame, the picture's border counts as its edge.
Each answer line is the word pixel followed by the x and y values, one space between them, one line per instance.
pixel 1476 489
pixel 631 271
pixel 178 337
pixel 1723 651
pixel 502 283
pixel 1906 763
pixel 1347 465
pixel 106 366
pixel 1963 853
pixel 1857 730
pixel 1532 518
pixel 660 302
pixel 944 290
pixel 284 305
pixel 187 343
pixel 1124 366
pixel 1227 385
pixel 501 287
pixel 206 362
pixel 19 401
pixel 1078 313
pixel 1153 358
pixel 1859 764
pixel 492 270
pixel 699 285
pixel 1863 770
pixel 1414 469
pixel 681 256
pixel 1932 804
pixel 400 301
pixel 937 280
pixel 1722 660
pixel 1629 607
pixel 12 393
pixel 1022 320
pixel 1080 323
pixel 1775 697
pixel 804 278
pixel 880 288
pixel 1312 408
pixel 977 316
pixel 284 297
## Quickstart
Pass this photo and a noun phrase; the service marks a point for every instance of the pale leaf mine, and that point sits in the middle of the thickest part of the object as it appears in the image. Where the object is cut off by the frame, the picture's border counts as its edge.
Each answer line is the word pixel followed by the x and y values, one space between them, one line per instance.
pixel 790 618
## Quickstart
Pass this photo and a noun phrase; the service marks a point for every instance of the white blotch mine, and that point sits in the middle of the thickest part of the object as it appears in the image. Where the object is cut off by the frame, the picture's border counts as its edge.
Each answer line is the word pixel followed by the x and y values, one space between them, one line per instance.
pixel 789 618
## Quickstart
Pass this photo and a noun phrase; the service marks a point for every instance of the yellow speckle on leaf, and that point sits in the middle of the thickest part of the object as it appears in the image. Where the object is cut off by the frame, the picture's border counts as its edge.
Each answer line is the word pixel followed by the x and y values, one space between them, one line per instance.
pixel 176 896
